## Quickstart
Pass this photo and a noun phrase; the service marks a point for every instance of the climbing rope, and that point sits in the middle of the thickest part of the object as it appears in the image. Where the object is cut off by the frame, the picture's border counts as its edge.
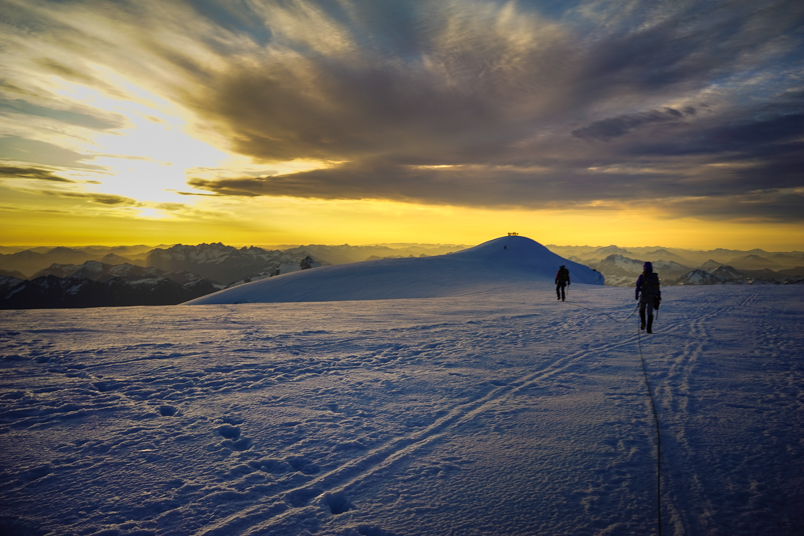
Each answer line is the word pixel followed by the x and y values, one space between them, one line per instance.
pixel 658 436
pixel 653 407
pixel 604 312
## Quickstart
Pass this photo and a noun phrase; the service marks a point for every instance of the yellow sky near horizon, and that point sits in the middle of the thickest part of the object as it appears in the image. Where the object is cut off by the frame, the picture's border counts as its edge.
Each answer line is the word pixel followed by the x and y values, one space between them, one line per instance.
pixel 293 221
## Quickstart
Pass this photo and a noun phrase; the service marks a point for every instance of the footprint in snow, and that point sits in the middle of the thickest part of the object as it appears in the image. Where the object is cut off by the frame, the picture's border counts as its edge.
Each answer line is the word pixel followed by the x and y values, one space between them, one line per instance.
pixel 228 431
pixel 233 439
pixel 167 411
pixel 337 503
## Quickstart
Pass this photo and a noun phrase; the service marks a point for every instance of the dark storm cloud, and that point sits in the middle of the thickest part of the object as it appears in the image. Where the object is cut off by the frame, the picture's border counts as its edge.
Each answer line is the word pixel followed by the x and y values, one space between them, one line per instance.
pixel 473 185
pixel 623 124
pixel 421 87
pixel 417 80
pixel 655 47
pixel 765 206
pixel 506 101
pixel 489 103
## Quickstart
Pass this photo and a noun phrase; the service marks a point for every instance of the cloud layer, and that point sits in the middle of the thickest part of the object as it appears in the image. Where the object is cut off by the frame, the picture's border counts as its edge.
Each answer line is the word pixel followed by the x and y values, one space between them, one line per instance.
pixel 692 109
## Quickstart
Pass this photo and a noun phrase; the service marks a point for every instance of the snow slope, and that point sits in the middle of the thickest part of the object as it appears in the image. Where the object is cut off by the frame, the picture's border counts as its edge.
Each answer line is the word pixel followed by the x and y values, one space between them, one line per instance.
pixel 499 263
pixel 503 413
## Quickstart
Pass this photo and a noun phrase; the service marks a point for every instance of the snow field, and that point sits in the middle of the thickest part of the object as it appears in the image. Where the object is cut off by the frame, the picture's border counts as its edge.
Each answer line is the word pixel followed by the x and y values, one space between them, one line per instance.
pixel 506 413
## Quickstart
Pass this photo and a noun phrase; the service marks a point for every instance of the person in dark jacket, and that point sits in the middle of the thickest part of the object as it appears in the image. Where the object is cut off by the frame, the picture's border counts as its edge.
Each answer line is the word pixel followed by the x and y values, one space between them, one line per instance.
pixel 649 295
pixel 562 280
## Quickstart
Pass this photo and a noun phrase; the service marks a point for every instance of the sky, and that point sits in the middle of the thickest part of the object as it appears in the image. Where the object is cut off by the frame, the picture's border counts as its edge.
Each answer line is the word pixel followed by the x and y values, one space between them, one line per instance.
pixel 448 121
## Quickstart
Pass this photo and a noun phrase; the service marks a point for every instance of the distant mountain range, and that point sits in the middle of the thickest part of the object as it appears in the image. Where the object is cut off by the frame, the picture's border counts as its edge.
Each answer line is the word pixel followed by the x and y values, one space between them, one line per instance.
pixel 623 271
pixel 226 264
pixel 52 292
pixel 755 259
pixel 95 284
pixel 218 262
pixel 170 276
pixel 139 275
pixel 619 270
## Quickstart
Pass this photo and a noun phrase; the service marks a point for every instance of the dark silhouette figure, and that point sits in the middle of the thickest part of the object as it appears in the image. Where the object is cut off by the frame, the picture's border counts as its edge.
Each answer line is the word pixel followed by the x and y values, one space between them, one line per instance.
pixel 562 280
pixel 649 295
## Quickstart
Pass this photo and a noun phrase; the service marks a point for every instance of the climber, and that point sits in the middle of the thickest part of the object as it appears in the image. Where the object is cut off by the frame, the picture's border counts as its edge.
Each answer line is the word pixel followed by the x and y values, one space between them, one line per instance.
pixel 647 286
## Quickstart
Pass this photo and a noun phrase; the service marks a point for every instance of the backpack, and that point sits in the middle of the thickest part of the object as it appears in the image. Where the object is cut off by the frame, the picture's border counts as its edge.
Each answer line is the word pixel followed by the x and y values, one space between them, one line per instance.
pixel 563 275
pixel 650 284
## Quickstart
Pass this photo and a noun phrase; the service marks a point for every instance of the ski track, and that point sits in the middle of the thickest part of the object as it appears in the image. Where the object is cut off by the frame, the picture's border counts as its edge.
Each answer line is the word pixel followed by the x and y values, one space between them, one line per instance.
pixel 674 394
pixel 692 417
pixel 337 482
pixel 231 386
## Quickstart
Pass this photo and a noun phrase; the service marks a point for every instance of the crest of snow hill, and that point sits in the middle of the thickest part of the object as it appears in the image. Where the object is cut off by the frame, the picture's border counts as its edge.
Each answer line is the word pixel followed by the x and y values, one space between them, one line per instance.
pixel 140 275
pixel 511 260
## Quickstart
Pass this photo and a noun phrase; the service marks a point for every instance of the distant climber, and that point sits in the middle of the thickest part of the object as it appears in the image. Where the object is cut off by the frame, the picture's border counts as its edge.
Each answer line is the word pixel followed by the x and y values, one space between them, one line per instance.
pixel 562 280
pixel 651 295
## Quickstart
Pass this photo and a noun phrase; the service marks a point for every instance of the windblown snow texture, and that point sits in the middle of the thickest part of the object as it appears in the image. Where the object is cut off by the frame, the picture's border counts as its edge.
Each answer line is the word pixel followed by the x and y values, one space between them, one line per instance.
pixel 499 413
pixel 503 262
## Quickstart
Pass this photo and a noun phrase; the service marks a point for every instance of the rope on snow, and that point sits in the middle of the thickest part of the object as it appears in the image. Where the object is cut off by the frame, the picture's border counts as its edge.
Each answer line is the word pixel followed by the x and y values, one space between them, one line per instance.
pixel 653 407
pixel 658 437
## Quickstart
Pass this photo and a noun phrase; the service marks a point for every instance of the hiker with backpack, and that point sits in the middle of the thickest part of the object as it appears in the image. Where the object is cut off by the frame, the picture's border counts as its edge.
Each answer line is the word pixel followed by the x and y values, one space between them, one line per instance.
pixel 562 280
pixel 651 295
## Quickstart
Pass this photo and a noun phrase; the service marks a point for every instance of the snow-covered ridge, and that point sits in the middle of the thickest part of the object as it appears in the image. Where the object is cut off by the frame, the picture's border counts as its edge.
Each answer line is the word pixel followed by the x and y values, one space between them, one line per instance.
pixel 95 284
pixel 226 264
pixel 98 271
pixel 505 262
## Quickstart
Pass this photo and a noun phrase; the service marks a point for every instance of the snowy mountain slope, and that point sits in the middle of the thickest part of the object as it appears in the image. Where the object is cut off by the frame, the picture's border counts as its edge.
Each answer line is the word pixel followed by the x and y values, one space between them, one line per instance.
pixel 727 275
pixel 602 253
pixel 753 262
pixel 31 261
pixel 623 271
pixel 7 282
pixel 618 265
pixel 98 271
pixel 765 275
pixel 797 271
pixel 662 254
pixel 306 263
pixel 114 259
pixel 51 292
pixel 702 277
pixel 684 257
pixel 221 263
pixel 787 259
pixel 710 265
pixel 95 284
pixel 508 261
pixel 500 413
pixel 345 254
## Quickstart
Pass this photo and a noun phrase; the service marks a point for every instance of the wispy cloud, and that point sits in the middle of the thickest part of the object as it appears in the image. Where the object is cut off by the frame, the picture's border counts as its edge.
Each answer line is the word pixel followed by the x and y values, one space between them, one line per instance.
pixel 98 198
pixel 18 172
